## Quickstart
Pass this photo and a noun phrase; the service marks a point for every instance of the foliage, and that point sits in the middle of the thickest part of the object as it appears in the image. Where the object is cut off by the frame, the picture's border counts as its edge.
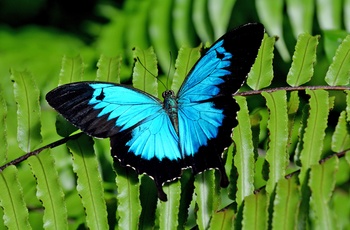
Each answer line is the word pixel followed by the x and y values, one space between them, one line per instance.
pixel 304 134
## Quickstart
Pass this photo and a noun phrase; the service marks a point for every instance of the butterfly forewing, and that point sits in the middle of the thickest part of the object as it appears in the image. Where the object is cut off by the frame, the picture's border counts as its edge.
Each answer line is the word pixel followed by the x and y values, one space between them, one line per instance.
pixel 205 102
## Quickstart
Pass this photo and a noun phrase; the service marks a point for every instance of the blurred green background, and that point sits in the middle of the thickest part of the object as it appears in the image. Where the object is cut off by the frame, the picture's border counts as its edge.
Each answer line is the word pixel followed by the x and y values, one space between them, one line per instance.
pixel 35 36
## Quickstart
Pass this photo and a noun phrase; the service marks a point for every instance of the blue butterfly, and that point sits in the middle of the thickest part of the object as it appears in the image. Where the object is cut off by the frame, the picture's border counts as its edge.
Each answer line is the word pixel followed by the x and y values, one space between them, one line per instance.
pixel 190 129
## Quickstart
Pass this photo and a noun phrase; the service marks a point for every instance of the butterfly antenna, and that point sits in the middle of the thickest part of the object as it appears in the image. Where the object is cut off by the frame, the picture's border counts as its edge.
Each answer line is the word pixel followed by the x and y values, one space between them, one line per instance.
pixel 171 61
pixel 138 59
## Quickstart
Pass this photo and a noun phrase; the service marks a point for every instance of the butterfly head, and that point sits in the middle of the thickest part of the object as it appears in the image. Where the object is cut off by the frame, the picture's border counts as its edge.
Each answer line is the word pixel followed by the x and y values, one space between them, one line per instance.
pixel 168 94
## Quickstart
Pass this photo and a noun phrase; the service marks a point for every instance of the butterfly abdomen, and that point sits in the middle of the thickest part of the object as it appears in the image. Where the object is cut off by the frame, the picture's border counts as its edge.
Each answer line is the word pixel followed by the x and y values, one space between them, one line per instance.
pixel 171 107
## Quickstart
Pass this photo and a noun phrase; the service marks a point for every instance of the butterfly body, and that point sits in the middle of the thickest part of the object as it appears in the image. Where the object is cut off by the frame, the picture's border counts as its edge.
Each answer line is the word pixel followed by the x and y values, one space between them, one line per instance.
pixel 189 129
pixel 171 108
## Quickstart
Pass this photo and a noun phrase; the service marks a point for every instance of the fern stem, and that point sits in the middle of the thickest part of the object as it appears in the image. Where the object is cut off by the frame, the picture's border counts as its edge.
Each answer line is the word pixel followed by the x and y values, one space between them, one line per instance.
pixel 338 154
pixel 37 151
pixel 299 88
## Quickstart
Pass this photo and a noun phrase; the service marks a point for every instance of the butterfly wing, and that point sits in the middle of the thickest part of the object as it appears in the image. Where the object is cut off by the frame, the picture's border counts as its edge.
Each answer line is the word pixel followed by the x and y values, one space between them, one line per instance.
pixel 140 131
pixel 207 110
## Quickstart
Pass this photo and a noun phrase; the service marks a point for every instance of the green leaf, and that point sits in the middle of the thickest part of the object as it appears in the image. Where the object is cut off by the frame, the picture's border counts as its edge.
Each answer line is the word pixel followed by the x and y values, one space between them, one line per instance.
pixel 12 201
pixel 63 127
pixel 301 14
pixel 277 125
pixel 261 73
pixel 111 38
pixel 338 72
pixel 271 15
pixel 222 220
pixel 220 13
pixel 28 110
pixel 347 105
pixel 148 198
pixel 315 130
pixel 3 130
pixel 258 121
pixel 244 157
pixel 301 133
pixel 292 108
pixel 304 208
pixel 332 40
pixel 341 135
pixel 144 74
pixel 341 208
pixel 322 182
pixel 136 20
pixel 204 187
pixel 72 70
pixel 286 204
pixel 89 183
pixel 49 191
pixel 127 197
pixel 255 214
pixel 168 218
pixel 160 31
pixel 329 13
pixel 293 104
pixel 186 59
pixel 201 21
pixel 346 8
pixel 186 213
pixel 347 157
pixel 304 58
pixel 183 28
pixel 109 69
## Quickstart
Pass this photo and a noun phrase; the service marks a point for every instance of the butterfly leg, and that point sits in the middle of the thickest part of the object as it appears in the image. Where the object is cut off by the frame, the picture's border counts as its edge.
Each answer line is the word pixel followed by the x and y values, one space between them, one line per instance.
pixel 161 194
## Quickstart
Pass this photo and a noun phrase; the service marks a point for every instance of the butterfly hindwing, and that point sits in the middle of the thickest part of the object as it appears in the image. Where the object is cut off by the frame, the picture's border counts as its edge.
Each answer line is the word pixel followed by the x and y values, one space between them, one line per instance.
pixel 205 102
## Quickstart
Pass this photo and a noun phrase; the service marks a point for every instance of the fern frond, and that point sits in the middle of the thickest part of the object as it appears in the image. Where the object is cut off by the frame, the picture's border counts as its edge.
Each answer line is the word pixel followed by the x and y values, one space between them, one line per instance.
pixel 276 154
pixel 145 71
pixel 243 157
pixel 314 131
pixel 286 204
pixel 89 182
pixel 109 69
pixel 322 184
pixel 16 214
pixel 72 70
pixel 169 211
pixel 261 74
pixel 28 110
pixel 49 191
pixel 3 130
pixel 255 208
pixel 338 72
pixel 304 57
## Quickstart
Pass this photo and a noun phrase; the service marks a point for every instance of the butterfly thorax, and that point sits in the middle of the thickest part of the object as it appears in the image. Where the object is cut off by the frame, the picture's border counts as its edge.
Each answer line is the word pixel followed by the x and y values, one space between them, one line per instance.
pixel 170 106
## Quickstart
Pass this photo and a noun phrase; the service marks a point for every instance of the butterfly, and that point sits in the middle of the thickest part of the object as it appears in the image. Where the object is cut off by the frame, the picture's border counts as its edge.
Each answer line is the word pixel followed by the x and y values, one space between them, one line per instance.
pixel 188 130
